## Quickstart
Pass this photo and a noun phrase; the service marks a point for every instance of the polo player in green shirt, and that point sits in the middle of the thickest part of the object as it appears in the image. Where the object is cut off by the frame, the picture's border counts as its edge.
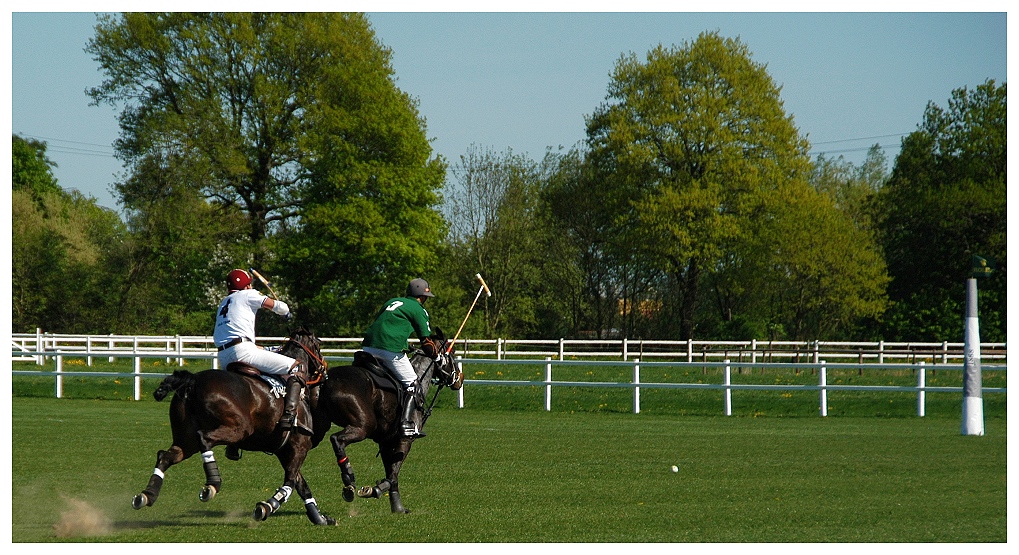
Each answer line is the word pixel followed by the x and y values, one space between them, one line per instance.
pixel 387 338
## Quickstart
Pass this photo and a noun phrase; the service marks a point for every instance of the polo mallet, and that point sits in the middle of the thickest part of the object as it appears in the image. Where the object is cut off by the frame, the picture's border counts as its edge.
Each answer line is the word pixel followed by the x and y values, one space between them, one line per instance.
pixel 484 287
pixel 265 281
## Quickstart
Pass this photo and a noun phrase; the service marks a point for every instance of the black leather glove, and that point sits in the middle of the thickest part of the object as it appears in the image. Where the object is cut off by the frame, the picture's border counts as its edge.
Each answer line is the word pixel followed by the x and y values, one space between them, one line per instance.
pixel 429 348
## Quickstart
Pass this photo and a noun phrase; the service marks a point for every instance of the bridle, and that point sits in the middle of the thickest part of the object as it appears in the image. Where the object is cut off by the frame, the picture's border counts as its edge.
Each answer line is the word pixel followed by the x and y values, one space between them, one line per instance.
pixel 314 377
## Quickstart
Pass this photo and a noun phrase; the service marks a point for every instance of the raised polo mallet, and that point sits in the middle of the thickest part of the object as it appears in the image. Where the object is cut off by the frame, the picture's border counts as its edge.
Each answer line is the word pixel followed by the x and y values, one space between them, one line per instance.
pixel 484 287
pixel 265 281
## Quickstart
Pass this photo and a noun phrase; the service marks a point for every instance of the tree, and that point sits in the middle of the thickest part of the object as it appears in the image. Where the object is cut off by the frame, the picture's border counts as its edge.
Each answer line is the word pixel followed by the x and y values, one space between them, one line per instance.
pixel 293 121
pixel 691 136
pixel 816 273
pixel 945 202
pixel 607 284
pixel 498 228
pixel 179 251
pixel 31 169
pixel 852 189
pixel 696 201
pixel 62 244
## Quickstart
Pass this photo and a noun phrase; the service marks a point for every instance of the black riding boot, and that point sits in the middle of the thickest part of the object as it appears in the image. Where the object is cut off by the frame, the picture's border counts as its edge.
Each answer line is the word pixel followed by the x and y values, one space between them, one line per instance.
pixel 407 426
pixel 293 396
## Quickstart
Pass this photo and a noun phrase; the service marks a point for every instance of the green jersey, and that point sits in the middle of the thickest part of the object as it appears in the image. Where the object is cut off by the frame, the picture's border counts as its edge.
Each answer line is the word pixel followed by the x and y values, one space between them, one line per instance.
pixel 394 324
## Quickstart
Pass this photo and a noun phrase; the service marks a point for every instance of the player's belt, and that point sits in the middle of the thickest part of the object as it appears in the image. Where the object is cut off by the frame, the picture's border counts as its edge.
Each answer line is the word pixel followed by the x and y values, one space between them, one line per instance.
pixel 232 342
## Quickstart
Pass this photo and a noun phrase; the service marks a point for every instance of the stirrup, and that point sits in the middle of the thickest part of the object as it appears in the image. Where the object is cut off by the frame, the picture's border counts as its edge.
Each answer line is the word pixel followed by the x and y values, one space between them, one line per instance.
pixel 408 429
pixel 288 421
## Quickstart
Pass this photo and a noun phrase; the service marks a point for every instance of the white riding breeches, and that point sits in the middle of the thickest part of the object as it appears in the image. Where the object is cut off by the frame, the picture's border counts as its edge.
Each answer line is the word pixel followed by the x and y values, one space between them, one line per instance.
pixel 398 364
pixel 266 361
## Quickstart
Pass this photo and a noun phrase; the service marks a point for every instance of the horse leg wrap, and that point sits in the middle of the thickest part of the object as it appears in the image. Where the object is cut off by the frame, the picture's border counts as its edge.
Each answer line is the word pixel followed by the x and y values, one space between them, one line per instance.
pixel 155 484
pixel 316 517
pixel 382 487
pixel 280 497
pixel 212 477
pixel 346 472
pixel 395 505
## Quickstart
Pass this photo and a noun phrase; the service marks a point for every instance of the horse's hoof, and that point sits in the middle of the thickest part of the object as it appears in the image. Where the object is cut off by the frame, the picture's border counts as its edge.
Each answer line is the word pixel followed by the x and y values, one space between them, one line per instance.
pixel 140 501
pixel 207 493
pixel 262 511
pixel 348 493
pixel 366 491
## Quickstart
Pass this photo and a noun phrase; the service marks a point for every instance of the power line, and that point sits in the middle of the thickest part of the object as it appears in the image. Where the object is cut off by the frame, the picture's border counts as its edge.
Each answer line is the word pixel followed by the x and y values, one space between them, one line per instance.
pixel 65 146
pixel 83 152
pixel 861 139
pixel 62 149
pixel 64 141
pixel 859 149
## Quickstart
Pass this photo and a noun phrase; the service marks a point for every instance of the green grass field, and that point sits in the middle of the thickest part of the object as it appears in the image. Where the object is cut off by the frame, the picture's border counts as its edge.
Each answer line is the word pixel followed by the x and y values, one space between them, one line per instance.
pixel 504 470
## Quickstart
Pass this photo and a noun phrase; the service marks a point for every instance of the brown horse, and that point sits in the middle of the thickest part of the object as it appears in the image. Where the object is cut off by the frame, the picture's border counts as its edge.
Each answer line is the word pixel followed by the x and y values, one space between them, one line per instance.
pixel 228 407
pixel 362 402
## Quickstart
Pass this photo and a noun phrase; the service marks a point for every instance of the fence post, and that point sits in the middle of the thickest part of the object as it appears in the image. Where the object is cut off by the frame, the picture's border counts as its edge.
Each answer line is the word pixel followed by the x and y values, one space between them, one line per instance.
pixel 921 383
pixel 60 379
pixel 180 351
pixel 636 386
pixel 38 346
pixel 111 348
pixel 498 349
pixel 561 348
pixel 944 352
pixel 460 392
pixel 881 352
pixel 727 380
pixel 689 350
pixel 625 349
pixel 548 384
pixel 137 371
pixel 88 349
pixel 753 354
pixel 824 390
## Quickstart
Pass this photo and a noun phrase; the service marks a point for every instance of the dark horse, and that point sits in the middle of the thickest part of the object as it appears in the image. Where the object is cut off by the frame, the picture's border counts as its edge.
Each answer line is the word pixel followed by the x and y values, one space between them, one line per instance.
pixel 228 407
pixel 366 406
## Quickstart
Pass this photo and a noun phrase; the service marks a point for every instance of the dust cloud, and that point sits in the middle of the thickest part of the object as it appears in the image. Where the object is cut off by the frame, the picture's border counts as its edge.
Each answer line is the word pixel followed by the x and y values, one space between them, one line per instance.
pixel 82 520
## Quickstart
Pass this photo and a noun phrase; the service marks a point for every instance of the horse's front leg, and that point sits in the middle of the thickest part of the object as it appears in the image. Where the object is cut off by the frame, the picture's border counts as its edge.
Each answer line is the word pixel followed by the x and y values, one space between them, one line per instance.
pixel 164 460
pixel 292 457
pixel 340 440
pixel 393 452
pixel 310 506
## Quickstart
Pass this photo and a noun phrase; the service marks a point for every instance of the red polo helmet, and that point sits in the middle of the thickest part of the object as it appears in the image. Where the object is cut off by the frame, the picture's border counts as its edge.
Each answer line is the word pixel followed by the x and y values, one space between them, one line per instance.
pixel 237 279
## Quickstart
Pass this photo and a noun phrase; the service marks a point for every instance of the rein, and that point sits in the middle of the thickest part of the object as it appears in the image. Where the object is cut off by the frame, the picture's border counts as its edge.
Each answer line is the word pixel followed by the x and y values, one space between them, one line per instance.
pixel 428 411
pixel 323 365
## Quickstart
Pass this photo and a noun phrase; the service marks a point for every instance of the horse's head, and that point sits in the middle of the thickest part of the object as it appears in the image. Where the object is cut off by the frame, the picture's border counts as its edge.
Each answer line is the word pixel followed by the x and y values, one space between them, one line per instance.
pixel 304 346
pixel 444 369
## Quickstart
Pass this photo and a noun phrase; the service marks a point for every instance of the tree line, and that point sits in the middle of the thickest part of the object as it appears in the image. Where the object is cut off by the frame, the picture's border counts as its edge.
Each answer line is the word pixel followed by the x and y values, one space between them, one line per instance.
pixel 691 209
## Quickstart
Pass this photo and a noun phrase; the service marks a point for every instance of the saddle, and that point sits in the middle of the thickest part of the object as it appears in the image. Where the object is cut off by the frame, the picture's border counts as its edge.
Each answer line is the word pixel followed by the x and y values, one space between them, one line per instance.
pixel 277 388
pixel 378 373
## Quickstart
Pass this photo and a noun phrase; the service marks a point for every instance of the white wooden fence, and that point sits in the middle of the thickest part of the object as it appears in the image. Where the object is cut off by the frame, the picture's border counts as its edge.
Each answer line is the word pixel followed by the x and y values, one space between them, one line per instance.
pixel 868 356
pixel 943 352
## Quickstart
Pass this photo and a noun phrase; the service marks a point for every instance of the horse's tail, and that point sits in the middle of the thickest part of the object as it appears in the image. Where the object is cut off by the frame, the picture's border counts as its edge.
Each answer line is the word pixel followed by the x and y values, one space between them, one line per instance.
pixel 179 380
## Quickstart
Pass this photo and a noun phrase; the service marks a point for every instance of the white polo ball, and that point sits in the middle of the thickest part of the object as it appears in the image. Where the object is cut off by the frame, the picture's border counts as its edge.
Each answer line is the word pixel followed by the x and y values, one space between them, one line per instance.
pixel 675 468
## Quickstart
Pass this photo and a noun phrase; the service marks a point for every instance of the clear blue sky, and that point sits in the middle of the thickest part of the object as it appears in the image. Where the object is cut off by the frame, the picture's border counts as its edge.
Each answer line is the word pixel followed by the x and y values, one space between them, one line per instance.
pixel 526 81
